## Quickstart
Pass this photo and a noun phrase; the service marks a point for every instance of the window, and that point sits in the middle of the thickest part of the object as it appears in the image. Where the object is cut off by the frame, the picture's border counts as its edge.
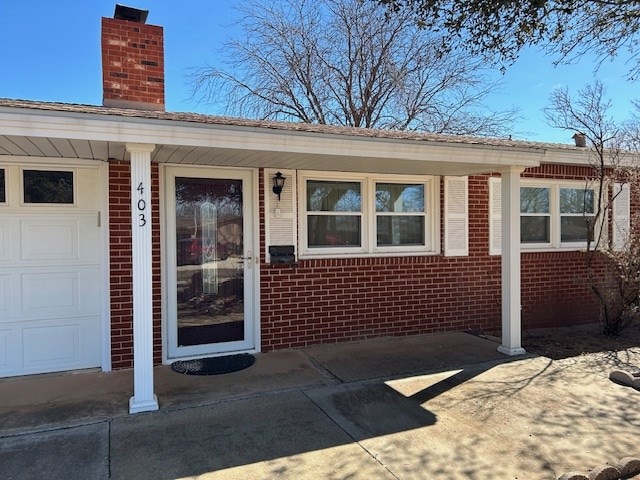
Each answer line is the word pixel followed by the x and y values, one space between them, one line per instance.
pixel 48 186
pixel 334 214
pixel 363 214
pixel 553 214
pixel 3 194
pixel 576 208
pixel 400 214
pixel 535 215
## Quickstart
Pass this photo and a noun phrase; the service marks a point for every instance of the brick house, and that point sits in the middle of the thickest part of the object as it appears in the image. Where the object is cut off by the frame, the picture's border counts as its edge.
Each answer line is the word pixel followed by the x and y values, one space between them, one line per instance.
pixel 131 236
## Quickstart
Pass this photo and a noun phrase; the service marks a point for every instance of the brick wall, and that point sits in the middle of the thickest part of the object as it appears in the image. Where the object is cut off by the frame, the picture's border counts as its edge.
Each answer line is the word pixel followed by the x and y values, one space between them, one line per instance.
pixel 132 64
pixel 322 301
pixel 333 300
pixel 120 264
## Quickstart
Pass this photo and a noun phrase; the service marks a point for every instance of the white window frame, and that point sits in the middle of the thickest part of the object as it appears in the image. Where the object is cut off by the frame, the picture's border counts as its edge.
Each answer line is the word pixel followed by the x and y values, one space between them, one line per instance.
pixel 555 242
pixel 369 215
pixel 579 244
pixel 48 168
pixel 552 222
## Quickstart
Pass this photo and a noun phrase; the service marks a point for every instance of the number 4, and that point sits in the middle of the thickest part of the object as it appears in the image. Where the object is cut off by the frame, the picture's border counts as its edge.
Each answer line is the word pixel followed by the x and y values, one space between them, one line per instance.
pixel 140 188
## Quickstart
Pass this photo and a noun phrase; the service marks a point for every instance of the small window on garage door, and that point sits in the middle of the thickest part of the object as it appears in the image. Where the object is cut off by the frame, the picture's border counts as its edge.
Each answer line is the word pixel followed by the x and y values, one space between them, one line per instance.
pixel 3 191
pixel 48 186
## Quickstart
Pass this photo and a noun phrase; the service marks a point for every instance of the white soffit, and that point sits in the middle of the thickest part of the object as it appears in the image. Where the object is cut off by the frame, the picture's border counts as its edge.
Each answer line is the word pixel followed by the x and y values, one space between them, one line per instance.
pixel 51 134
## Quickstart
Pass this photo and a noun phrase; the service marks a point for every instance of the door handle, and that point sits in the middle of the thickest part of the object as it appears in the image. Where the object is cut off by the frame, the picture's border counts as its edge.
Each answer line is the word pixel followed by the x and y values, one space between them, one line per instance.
pixel 248 257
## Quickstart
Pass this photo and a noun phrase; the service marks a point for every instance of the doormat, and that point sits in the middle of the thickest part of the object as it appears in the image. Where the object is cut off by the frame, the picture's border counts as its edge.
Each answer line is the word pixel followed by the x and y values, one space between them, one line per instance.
pixel 214 365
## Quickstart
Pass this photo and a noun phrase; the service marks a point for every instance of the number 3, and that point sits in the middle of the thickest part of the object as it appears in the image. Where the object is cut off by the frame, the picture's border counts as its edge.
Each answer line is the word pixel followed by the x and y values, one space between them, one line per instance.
pixel 143 220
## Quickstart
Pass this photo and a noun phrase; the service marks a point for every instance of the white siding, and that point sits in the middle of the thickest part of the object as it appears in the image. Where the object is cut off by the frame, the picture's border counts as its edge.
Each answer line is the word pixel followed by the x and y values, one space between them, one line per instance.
pixel 280 216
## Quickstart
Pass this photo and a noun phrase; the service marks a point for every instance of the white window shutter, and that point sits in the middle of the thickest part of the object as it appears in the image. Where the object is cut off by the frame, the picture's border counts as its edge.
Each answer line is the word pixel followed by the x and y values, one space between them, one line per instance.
pixel 280 216
pixel 456 216
pixel 621 215
pixel 495 216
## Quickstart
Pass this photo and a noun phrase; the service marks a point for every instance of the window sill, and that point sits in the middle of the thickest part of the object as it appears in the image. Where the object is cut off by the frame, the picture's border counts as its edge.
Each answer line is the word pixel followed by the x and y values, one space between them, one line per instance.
pixel 577 248
pixel 324 256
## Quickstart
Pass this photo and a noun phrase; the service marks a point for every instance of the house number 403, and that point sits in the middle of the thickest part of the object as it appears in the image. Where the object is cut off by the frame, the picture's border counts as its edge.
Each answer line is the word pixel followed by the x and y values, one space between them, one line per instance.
pixel 142 206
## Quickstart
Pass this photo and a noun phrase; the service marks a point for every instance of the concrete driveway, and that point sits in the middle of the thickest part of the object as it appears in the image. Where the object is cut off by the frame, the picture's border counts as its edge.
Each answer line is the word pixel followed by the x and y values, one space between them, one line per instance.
pixel 425 407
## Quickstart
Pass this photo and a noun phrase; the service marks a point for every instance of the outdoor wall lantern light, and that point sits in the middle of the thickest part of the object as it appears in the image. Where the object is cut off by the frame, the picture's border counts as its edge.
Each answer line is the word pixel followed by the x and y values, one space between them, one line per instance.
pixel 278 184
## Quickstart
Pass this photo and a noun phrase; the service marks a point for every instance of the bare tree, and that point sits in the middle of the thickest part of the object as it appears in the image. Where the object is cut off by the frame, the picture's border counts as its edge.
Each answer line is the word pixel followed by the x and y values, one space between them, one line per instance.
pixel 344 62
pixel 613 270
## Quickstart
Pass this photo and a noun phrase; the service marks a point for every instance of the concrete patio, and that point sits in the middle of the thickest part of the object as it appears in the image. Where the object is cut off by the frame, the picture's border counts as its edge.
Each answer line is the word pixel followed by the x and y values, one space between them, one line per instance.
pixel 443 406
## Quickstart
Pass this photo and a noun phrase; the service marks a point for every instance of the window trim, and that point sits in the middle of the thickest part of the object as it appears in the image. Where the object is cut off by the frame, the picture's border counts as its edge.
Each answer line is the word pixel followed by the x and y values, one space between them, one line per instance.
pixel 48 168
pixel 369 215
pixel 550 215
pixel 427 214
pixel 561 215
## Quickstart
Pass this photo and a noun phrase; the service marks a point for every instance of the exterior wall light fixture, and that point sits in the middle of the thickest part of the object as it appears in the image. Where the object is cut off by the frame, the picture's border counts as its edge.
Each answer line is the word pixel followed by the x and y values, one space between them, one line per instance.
pixel 278 184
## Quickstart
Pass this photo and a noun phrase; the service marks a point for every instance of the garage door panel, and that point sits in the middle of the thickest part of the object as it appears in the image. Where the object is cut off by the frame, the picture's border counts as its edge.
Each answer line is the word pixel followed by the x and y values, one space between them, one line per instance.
pixel 89 238
pixel 40 346
pixel 74 239
pixel 86 187
pixel 5 335
pixel 49 239
pixel 89 289
pixel 5 240
pixel 5 296
pixel 53 294
pixel 51 345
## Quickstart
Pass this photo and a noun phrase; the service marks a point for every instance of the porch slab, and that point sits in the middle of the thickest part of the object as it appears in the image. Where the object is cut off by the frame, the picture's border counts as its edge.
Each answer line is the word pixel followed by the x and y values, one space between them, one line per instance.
pixel 43 402
pixel 529 417
pixel 387 357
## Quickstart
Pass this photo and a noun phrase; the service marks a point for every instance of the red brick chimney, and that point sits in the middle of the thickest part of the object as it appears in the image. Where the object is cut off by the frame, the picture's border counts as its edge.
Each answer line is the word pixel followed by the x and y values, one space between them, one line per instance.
pixel 132 61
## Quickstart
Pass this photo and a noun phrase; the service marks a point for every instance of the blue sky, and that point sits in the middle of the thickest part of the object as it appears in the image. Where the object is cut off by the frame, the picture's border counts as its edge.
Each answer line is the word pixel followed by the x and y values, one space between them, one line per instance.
pixel 50 51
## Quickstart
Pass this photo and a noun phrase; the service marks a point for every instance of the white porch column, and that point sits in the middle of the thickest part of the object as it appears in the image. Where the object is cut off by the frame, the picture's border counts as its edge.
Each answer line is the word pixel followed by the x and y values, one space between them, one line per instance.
pixel 143 399
pixel 511 315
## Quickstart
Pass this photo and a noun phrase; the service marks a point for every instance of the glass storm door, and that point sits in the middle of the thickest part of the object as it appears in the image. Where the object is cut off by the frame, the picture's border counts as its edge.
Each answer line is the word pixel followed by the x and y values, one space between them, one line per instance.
pixel 210 262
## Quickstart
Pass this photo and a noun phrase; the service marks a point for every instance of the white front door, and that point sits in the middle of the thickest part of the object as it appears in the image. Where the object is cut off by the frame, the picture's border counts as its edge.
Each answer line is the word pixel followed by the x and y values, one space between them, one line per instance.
pixel 50 268
pixel 210 262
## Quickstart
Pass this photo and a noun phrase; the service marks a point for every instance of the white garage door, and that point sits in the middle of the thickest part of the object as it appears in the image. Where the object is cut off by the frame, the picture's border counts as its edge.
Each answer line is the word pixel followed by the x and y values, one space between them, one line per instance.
pixel 50 273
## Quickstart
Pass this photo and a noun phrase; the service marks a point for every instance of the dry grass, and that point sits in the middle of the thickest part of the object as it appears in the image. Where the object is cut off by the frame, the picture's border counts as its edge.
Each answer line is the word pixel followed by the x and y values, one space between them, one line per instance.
pixel 558 343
